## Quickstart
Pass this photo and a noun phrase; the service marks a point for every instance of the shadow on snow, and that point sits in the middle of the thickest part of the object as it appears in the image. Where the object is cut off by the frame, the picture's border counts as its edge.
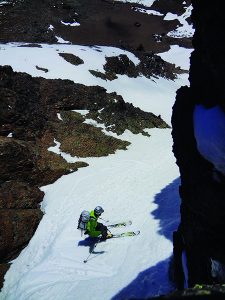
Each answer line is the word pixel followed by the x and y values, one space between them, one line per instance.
pixel 91 243
pixel 155 280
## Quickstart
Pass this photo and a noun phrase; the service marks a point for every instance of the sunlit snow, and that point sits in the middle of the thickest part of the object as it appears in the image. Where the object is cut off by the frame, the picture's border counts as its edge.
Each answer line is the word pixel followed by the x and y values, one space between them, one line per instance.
pixel 71 24
pixel 149 11
pixel 185 30
pixel 61 40
pixel 3 3
pixel 59 116
pixel 66 156
pixel 51 27
pixel 178 56
pixel 144 2
pixel 140 184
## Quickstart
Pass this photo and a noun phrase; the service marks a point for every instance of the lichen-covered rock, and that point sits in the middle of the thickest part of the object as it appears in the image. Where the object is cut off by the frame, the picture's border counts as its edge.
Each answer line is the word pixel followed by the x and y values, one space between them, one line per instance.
pixel 17 226
pixel 71 58
pixel 120 65
pixel 119 116
pixel 17 159
pixel 19 195
pixel 84 140
pixel 150 66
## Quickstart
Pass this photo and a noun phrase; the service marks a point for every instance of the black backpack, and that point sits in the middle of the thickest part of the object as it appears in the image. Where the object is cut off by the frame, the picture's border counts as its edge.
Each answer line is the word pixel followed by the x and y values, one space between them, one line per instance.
pixel 83 220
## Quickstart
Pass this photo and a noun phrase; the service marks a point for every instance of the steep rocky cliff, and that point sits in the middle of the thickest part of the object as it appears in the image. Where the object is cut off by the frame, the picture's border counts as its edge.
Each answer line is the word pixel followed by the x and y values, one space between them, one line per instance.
pixel 201 231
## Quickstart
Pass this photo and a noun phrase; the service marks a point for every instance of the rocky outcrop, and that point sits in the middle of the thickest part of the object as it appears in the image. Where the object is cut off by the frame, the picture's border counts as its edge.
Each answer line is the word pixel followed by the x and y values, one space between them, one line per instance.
pixel 19 216
pixel 199 292
pixel 71 58
pixel 150 66
pixel 172 6
pixel 3 269
pixel 17 228
pixel 202 187
pixel 19 195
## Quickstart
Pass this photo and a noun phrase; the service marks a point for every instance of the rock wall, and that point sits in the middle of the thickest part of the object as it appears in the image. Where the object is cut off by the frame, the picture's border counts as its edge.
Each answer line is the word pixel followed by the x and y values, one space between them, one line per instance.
pixel 202 228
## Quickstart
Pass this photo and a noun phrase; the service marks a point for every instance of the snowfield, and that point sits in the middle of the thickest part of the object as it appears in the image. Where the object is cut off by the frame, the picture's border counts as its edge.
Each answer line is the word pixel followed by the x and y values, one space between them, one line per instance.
pixel 140 184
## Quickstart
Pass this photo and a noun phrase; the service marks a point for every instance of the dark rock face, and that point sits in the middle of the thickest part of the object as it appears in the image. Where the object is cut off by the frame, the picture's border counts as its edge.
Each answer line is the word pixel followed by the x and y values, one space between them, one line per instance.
pixel 22 159
pixel 120 65
pixel 150 66
pixel 71 58
pixel 173 6
pixel 102 23
pixel 19 195
pixel 3 269
pixel 207 67
pixel 202 188
pixel 17 228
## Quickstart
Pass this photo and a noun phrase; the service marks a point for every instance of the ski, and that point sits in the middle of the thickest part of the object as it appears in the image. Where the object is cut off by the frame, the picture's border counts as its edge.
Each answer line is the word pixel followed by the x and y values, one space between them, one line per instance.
pixel 120 224
pixel 119 235
pixel 125 234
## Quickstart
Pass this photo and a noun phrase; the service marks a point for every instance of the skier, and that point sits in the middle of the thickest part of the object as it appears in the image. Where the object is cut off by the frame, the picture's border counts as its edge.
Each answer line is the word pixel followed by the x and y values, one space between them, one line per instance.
pixel 94 228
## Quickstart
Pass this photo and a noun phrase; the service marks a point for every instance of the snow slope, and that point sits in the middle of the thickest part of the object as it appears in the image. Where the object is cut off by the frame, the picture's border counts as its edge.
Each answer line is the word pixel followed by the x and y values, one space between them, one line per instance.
pixel 139 184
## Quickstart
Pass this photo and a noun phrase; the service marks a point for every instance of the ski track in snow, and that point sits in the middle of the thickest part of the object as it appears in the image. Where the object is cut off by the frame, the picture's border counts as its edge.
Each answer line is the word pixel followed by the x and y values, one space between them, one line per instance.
pixel 125 184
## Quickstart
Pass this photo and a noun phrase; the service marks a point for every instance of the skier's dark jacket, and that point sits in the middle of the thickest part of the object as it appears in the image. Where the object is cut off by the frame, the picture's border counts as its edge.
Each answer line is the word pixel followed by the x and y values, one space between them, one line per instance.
pixel 91 225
